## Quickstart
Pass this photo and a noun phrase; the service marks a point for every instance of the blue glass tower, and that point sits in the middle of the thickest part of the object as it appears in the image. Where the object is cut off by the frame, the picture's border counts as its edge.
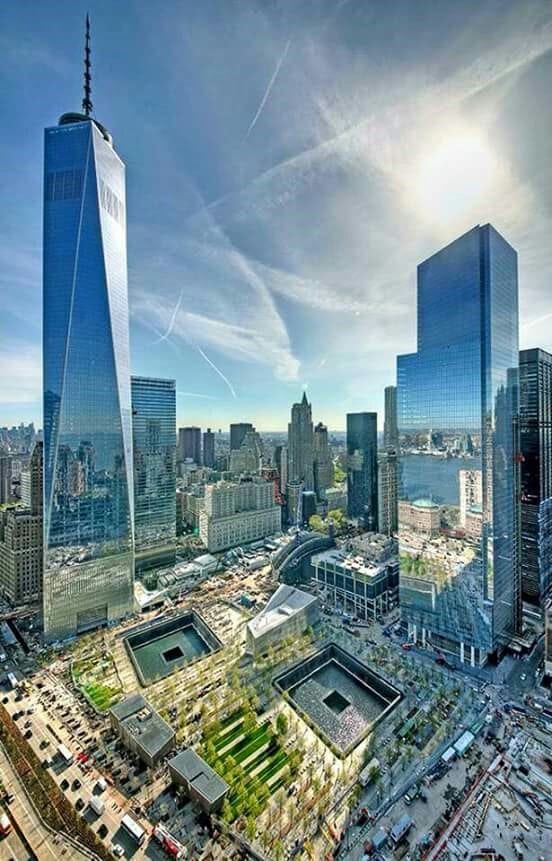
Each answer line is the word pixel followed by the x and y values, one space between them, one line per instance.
pixel 154 446
pixel 88 490
pixel 459 494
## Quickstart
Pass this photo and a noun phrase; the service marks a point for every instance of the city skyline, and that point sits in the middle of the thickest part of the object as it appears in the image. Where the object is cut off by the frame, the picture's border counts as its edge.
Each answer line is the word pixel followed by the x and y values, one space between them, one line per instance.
pixel 215 212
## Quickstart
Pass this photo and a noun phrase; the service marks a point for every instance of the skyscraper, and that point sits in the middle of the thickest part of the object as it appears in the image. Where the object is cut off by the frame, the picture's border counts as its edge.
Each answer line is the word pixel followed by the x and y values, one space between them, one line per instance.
pixel 535 429
pixel 88 489
pixel 21 540
pixel 209 449
pixel 189 444
pixel 237 434
pixel 390 429
pixel 387 492
pixel 154 447
pixel 323 463
pixel 457 399
pixel 300 450
pixel 5 478
pixel 362 467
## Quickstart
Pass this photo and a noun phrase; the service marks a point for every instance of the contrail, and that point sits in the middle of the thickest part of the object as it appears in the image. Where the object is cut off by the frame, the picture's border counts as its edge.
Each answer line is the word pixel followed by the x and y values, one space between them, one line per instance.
pixel 172 320
pixel 268 89
pixel 218 371
pixel 536 320
pixel 196 395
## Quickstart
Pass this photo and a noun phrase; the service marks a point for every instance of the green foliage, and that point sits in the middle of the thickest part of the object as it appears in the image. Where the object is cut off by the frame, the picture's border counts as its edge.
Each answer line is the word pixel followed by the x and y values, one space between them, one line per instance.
pixel 282 724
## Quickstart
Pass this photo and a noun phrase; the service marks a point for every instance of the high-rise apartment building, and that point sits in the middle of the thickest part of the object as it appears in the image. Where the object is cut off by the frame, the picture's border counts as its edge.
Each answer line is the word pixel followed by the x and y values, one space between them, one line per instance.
pixel 189 444
pixel 248 457
pixel 237 513
pixel 237 434
pixel 535 429
pixel 88 487
pixel 457 399
pixel 209 449
pixel 323 462
pixel 362 467
pixel 154 454
pixel 390 427
pixel 21 539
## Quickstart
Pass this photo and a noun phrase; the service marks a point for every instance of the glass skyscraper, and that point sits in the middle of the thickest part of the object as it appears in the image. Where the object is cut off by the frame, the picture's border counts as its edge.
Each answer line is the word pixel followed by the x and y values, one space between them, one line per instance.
pixel 154 446
pixel 362 468
pixel 458 497
pixel 88 488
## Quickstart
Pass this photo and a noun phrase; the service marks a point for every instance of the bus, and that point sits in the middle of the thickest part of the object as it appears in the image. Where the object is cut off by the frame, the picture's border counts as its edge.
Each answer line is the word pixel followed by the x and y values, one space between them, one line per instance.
pixel 12 679
pixel 136 831
pixel 65 754
pixel 5 825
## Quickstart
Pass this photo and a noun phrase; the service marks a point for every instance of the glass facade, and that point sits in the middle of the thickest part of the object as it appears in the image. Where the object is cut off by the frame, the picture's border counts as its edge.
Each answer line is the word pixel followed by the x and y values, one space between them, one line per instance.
pixel 154 447
pixel 457 403
pixel 362 467
pixel 88 491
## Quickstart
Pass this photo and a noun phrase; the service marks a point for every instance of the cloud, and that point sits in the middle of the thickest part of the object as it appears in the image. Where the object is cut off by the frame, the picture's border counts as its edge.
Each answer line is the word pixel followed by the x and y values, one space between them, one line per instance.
pixel 218 371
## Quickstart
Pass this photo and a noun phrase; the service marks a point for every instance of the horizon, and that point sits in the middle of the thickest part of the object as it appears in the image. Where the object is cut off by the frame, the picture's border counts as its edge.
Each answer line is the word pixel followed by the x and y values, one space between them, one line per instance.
pixel 319 126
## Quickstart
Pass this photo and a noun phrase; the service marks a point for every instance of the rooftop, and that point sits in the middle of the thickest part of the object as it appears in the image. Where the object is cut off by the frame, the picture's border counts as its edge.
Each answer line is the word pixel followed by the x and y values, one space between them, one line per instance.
pixel 200 775
pixel 424 503
pixel 142 722
pixel 285 602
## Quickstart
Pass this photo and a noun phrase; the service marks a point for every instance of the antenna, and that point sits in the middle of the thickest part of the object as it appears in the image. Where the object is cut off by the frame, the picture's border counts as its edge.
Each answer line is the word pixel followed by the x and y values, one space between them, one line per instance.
pixel 87 102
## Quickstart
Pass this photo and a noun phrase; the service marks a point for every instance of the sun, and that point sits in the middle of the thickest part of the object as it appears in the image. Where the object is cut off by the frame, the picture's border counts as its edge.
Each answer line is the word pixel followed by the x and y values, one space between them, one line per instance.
pixel 455 177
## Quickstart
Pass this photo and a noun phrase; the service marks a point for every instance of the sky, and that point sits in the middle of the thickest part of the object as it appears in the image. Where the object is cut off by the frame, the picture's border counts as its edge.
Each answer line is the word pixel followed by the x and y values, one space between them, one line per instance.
pixel 288 166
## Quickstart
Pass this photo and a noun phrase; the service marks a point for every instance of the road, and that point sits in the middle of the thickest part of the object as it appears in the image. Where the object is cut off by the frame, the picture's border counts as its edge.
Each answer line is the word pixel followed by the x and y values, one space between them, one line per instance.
pixel 45 846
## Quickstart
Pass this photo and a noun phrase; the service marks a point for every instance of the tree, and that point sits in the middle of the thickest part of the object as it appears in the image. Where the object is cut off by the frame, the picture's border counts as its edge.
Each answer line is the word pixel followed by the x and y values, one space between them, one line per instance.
pixel 281 724
pixel 250 828
pixel 226 812
pixel 317 524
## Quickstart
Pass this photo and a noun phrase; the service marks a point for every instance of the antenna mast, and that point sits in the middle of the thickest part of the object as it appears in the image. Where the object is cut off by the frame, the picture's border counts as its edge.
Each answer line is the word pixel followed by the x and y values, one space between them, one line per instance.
pixel 87 101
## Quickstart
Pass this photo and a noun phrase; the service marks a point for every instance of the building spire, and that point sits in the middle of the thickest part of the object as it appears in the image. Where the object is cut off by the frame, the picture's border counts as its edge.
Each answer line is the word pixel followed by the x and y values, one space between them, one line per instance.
pixel 87 102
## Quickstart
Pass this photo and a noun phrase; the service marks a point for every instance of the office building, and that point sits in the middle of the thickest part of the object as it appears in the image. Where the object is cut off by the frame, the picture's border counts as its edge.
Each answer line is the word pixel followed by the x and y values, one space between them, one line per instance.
pixel 237 513
pixel 21 539
pixel 248 457
pixel 88 487
pixel 288 613
pixel 362 468
pixel 189 444
pixel 388 515
pixel 390 427
pixel 237 434
pixel 323 462
pixel 535 430
pixel 209 449
pixel 281 463
pixel 300 453
pixel 141 729
pixel 5 478
pixel 154 455
pixel 361 577
pixel 457 399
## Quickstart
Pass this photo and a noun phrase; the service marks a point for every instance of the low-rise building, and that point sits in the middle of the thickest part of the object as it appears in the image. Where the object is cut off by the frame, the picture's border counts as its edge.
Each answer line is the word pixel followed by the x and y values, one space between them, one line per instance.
pixel 201 783
pixel 289 612
pixel 141 729
pixel 238 513
pixel 422 515
pixel 360 578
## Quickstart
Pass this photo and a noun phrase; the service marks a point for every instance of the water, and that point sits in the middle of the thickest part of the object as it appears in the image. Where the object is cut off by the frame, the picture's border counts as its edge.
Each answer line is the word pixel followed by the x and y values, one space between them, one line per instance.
pixel 149 656
pixel 436 478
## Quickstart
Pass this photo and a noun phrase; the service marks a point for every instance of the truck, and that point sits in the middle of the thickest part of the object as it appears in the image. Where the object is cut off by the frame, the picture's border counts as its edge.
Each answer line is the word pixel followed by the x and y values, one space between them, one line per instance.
pixel 5 825
pixel 366 775
pixel 131 827
pixel 101 784
pixel 97 805
pixel 400 829
pixel 65 754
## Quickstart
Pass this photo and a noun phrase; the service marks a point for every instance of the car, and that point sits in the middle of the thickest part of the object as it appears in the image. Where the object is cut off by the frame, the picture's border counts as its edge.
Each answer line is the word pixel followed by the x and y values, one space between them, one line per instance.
pixel 64 784
pixel 10 797
pixel 102 831
pixel 79 804
pixel 118 850
pixel 76 783
pixel 28 733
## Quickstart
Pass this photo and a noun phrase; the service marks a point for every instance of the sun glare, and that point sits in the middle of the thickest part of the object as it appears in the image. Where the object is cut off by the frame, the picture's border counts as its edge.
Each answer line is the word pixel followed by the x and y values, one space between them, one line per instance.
pixel 454 177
